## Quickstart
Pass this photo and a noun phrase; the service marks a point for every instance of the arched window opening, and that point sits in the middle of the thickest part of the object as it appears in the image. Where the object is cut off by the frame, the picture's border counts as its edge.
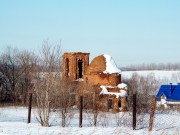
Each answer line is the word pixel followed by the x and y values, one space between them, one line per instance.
pixel 67 68
pixel 110 104
pixel 80 69
pixel 119 103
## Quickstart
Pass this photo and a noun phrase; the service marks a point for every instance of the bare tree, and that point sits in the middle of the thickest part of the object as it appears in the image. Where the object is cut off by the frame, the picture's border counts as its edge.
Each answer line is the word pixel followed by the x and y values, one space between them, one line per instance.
pixel 66 99
pixel 105 119
pixel 91 103
pixel 28 64
pixel 10 73
pixel 45 97
pixel 47 78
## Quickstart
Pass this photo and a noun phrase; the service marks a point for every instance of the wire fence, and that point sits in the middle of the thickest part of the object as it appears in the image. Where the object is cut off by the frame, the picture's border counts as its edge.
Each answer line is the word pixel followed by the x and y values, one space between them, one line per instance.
pixel 140 115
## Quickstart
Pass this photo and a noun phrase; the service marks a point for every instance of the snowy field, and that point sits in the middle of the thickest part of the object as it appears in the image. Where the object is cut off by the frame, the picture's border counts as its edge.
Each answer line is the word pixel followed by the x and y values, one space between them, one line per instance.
pixel 13 121
pixel 165 76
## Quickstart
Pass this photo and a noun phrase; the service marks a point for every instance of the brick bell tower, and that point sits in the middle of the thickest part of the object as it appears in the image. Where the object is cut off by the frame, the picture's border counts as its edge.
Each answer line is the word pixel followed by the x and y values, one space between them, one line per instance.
pixel 75 65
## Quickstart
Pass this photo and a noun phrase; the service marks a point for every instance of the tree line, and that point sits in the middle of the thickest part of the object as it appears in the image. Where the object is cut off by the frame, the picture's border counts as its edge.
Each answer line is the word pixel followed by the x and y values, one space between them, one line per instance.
pixel 152 66
pixel 21 69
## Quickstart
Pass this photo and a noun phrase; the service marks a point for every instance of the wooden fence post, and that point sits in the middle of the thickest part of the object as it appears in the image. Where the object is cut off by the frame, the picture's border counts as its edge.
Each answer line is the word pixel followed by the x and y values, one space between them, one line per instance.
pixel 134 111
pixel 153 107
pixel 29 107
pixel 80 111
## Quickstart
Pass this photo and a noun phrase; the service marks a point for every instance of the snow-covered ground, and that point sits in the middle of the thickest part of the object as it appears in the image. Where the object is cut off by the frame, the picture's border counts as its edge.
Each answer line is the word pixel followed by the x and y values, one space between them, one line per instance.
pixel 13 121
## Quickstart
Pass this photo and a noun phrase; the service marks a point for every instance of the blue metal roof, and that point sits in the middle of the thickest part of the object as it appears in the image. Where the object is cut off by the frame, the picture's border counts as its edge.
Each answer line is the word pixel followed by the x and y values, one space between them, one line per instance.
pixel 172 92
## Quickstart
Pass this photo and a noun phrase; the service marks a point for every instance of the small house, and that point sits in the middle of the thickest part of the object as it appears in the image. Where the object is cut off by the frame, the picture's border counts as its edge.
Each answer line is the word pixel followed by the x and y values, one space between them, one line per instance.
pixel 168 95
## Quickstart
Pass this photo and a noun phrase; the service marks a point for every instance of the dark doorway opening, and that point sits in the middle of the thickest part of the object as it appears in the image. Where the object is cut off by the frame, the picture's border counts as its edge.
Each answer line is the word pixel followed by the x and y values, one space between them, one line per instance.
pixel 109 104
pixel 80 69
pixel 67 68
pixel 119 103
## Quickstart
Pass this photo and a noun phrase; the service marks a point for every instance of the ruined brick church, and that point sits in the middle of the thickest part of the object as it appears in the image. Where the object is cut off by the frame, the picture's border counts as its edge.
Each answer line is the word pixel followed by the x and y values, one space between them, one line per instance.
pixel 102 74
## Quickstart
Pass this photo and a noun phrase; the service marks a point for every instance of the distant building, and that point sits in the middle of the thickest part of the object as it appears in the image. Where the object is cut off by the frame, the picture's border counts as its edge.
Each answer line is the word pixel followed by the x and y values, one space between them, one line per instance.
pixel 168 95
pixel 102 74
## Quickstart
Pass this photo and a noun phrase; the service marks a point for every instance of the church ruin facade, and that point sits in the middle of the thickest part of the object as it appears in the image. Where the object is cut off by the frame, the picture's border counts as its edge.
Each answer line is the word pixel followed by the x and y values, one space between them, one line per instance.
pixel 101 75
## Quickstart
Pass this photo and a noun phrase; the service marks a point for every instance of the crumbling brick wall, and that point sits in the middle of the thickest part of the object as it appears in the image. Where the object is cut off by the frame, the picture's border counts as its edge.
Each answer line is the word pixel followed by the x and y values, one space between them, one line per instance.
pixel 103 79
pixel 70 69
pixel 96 76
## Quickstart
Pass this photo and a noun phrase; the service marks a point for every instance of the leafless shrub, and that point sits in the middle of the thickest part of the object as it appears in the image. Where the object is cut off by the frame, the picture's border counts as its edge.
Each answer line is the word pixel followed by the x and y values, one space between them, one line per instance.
pixel 118 118
pixel 142 121
pixel 55 95
pixel 89 116
pixel 66 100
pixel 91 104
pixel 92 116
pixel 46 95
pixel 46 82
pixel 144 87
pixel 104 119
pixel 123 119
pixel 28 63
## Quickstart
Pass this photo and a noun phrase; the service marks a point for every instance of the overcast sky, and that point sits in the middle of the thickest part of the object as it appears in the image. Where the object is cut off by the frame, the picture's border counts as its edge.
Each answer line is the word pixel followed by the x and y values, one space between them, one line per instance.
pixel 131 31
